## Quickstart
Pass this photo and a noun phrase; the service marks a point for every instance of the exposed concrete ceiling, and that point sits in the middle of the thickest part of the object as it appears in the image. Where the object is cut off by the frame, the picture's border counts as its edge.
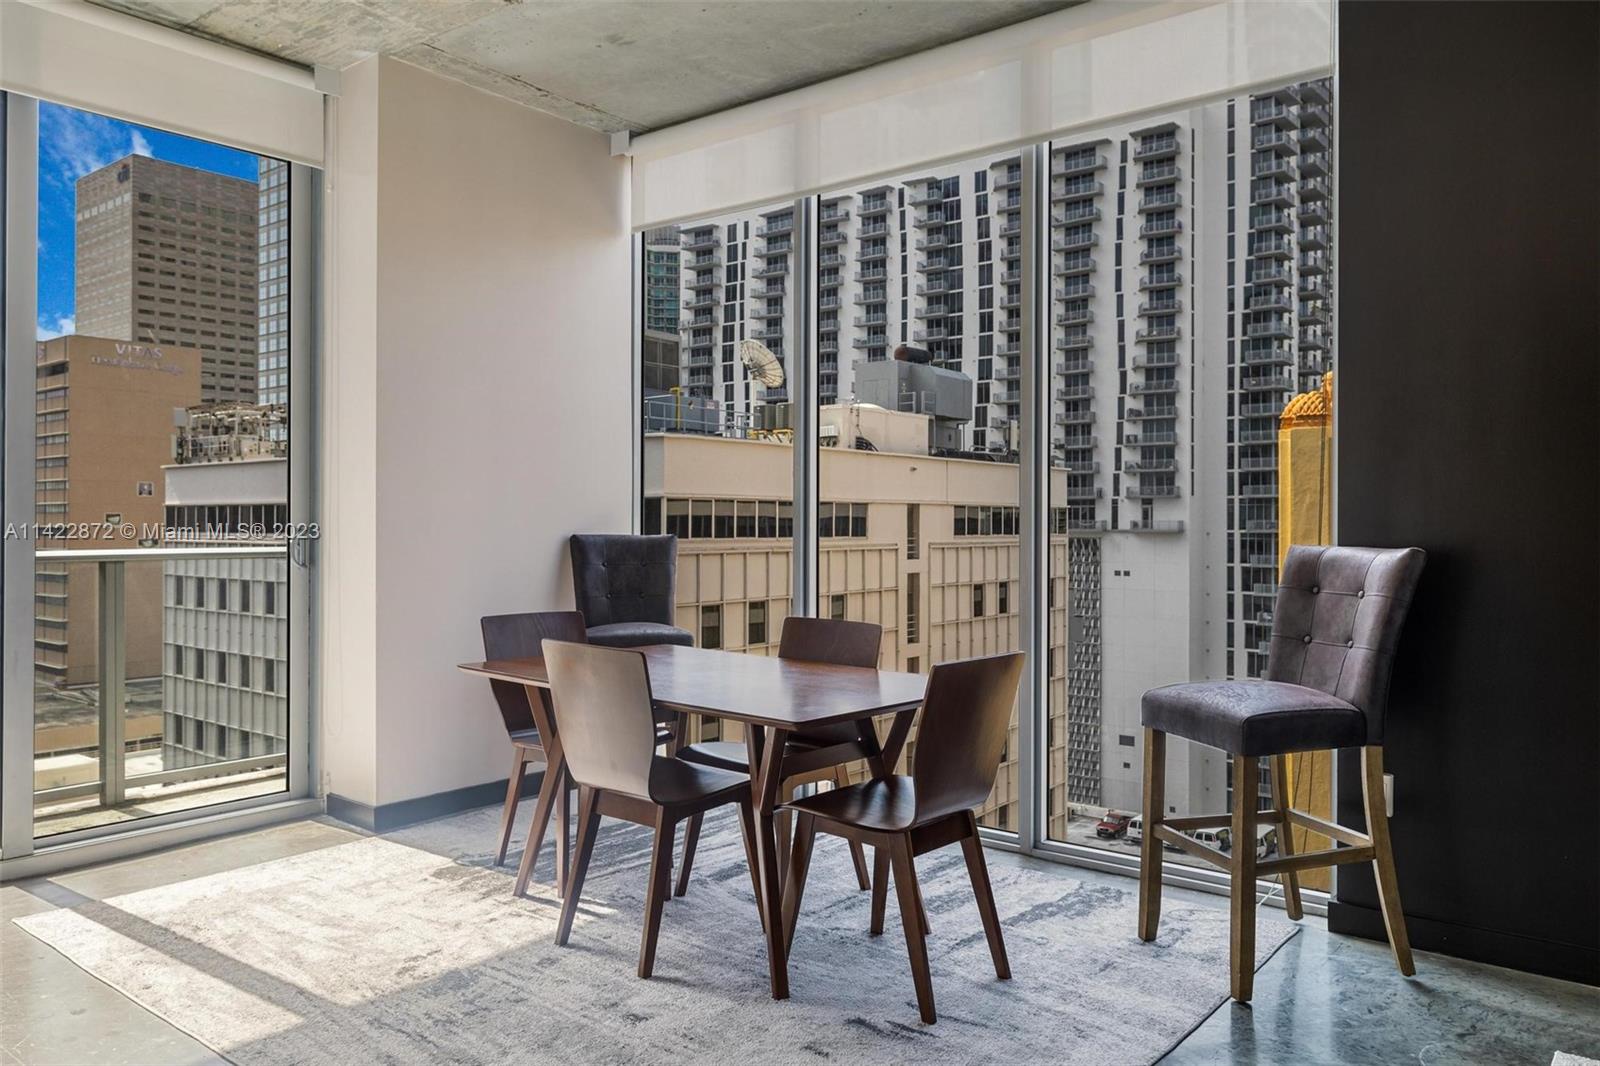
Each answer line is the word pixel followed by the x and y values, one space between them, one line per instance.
pixel 608 64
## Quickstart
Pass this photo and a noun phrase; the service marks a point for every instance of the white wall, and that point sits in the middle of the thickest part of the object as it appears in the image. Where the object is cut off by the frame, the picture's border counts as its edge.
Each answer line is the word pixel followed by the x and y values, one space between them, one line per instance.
pixel 500 409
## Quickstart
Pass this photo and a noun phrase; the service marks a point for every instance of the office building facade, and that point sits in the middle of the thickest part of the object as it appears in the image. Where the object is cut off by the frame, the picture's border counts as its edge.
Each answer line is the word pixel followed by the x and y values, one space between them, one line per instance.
pixel 167 255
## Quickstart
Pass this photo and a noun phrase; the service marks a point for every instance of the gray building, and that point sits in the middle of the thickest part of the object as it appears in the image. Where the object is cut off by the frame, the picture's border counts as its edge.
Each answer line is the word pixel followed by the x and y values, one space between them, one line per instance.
pixel 225 678
pixel 132 217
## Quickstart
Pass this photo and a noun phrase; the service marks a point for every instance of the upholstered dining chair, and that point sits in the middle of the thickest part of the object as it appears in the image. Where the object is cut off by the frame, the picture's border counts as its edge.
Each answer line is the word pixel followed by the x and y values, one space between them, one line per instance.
pixel 519 636
pixel 1334 632
pixel 961 735
pixel 605 715
pixel 624 586
pixel 819 754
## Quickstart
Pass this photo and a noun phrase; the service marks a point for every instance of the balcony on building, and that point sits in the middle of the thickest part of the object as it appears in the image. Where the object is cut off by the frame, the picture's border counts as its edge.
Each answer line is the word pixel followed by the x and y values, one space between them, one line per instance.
pixel 1267 383
pixel 701 357
pixel 1150 360
pixel 768 311
pixel 704 299
pixel 932 192
pixel 1074 263
pixel 1314 164
pixel 1009 178
pixel 1315 189
pixel 1069 189
pixel 1267 355
pixel 1269 299
pixel 1007 395
pixel 1145 491
pixel 1269 219
pixel 773 269
pixel 1160 201
pixel 1154 282
pixel 1076 341
pixel 1156 146
pixel 1074 365
pixel 1273 111
pixel 1154 387
pixel 834 211
pixel 831 237
pixel 1151 413
pixel 874 206
pixel 702 262
pixel 1273 139
pixel 1267 272
pixel 699 240
pixel 1159 173
pixel 1161 228
pixel 768 333
pixel 1150 466
pixel 1159 438
pixel 1011 228
pixel 1078 417
pixel 1315 115
pixel 1159 333
pixel 1313 263
pixel 1077 289
pixel 1272 192
pixel 1162 253
pixel 1281 329
pixel 1069 162
pixel 702 281
pixel 776 227
pixel 872 340
pixel 1075 317
pixel 1083 211
pixel 1075 392
pixel 871 253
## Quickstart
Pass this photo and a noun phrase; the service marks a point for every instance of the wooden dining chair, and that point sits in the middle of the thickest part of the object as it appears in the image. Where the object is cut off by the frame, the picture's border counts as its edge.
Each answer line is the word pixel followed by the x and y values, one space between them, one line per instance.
pixel 605 715
pixel 961 735
pixel 517 636
pixel 821 753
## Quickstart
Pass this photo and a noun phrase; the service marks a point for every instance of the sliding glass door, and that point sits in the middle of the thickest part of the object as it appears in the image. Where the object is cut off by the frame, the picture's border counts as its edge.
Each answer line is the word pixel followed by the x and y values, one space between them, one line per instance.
pixel 157 508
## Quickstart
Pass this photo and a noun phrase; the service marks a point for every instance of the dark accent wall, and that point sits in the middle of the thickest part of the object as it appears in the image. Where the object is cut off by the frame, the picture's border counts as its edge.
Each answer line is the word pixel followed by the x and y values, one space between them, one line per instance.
pixel 1469 424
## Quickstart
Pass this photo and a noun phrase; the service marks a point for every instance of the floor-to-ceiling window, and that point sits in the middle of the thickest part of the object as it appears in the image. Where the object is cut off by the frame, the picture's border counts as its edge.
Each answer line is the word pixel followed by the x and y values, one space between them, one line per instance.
pixel 719 320
pixel 920 418
pixel 164 606
pixel 1189 262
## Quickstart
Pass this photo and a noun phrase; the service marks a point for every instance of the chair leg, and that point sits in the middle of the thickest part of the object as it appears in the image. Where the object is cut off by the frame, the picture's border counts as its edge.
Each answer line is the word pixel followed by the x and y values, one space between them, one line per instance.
pixel 552 792
pixel 1242 886
pixel 880 887
pixel 1280 803
pixel 659 889
pixel 858 851
pixel 747 829
pixel 1394 919
pixel 691 837
pixel 563 831
pixel 513 794
pixel 978 872
pixel 794 885
pixel 588 823
pixel 1155 803
pixel 905 883
pixel 780 823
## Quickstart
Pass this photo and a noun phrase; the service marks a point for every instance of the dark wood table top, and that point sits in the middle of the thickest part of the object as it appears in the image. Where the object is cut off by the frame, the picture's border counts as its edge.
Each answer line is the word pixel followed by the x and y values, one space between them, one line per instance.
pixel 763 690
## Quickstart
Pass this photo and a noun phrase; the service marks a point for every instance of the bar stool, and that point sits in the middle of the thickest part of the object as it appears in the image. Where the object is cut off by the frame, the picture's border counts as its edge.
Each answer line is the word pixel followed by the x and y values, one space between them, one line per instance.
pixel 1334 631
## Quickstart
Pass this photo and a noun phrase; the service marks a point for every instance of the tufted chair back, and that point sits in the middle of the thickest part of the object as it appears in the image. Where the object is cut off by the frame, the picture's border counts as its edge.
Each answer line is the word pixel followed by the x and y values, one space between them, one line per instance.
pixel 618 577
pixel 1338 620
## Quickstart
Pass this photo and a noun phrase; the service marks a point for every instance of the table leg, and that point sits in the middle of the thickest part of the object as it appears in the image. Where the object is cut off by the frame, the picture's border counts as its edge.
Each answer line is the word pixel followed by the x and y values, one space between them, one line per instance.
pixel 563 823
pixel 895 743
pixel 765 748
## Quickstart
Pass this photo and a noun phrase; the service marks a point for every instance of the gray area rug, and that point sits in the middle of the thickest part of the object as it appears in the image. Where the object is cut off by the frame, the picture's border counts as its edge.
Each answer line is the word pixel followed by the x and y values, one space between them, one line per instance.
pixel 410 948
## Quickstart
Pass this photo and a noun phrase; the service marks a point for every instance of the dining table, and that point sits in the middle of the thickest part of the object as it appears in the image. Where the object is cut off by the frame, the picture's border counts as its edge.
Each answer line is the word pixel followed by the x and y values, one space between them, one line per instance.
pixel 771 698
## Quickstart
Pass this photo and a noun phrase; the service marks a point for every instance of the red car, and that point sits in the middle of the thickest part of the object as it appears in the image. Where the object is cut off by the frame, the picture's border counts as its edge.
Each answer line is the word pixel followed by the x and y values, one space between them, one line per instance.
pixel 1113 825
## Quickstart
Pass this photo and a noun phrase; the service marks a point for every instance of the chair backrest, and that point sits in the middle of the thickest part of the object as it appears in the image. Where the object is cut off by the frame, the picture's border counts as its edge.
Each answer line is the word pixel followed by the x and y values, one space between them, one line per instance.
pixel 1338 619
pixel 961 733
pixel 518 636
pixel 603 713
pixel 618 577
pixel 835 641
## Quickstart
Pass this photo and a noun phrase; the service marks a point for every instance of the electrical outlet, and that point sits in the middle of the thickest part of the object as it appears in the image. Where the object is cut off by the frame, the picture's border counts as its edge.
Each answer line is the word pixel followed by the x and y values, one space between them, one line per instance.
pixel 1388 795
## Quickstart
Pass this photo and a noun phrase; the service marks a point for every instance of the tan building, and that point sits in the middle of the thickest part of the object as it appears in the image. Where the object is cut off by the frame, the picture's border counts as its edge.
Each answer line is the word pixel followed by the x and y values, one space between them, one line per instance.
pixel 104 429
pixel 167 255
pixel 927 547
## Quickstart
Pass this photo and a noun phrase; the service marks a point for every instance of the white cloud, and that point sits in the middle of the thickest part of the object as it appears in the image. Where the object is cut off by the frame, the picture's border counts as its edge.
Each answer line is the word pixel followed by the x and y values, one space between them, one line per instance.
pixel 64 326
pixel 74 143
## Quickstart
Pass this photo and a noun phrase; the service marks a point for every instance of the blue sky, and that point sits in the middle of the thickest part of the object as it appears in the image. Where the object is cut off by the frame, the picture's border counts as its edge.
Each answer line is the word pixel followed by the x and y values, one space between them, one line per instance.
pixel 73 143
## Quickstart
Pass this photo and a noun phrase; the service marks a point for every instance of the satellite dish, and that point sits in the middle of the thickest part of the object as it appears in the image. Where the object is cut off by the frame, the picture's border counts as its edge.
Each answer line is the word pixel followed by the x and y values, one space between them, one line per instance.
pixel 764 367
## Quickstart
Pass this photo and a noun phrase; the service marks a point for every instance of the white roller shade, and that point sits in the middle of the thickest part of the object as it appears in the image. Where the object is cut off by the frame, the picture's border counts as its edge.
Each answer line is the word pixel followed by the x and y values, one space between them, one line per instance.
pixel 71 52
pixel 1099 62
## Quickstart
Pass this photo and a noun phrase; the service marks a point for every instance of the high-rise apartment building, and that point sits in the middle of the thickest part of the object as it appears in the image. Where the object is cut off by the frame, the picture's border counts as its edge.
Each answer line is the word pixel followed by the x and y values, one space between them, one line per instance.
pixel 167 255
pixel 662 359
pixel 103 429
pixel 272 295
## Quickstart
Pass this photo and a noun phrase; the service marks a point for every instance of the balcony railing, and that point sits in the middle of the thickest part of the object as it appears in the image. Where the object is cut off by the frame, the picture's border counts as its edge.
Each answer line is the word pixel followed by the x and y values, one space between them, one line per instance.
pixel 113 777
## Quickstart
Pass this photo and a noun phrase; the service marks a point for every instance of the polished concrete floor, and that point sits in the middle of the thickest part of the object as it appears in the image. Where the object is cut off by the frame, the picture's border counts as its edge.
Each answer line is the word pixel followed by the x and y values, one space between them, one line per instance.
pixel 1321 999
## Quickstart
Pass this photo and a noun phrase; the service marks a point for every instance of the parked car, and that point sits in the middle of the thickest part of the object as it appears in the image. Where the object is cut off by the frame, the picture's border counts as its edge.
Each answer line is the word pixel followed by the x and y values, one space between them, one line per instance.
pixel 1113 825
pixel 1135 831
